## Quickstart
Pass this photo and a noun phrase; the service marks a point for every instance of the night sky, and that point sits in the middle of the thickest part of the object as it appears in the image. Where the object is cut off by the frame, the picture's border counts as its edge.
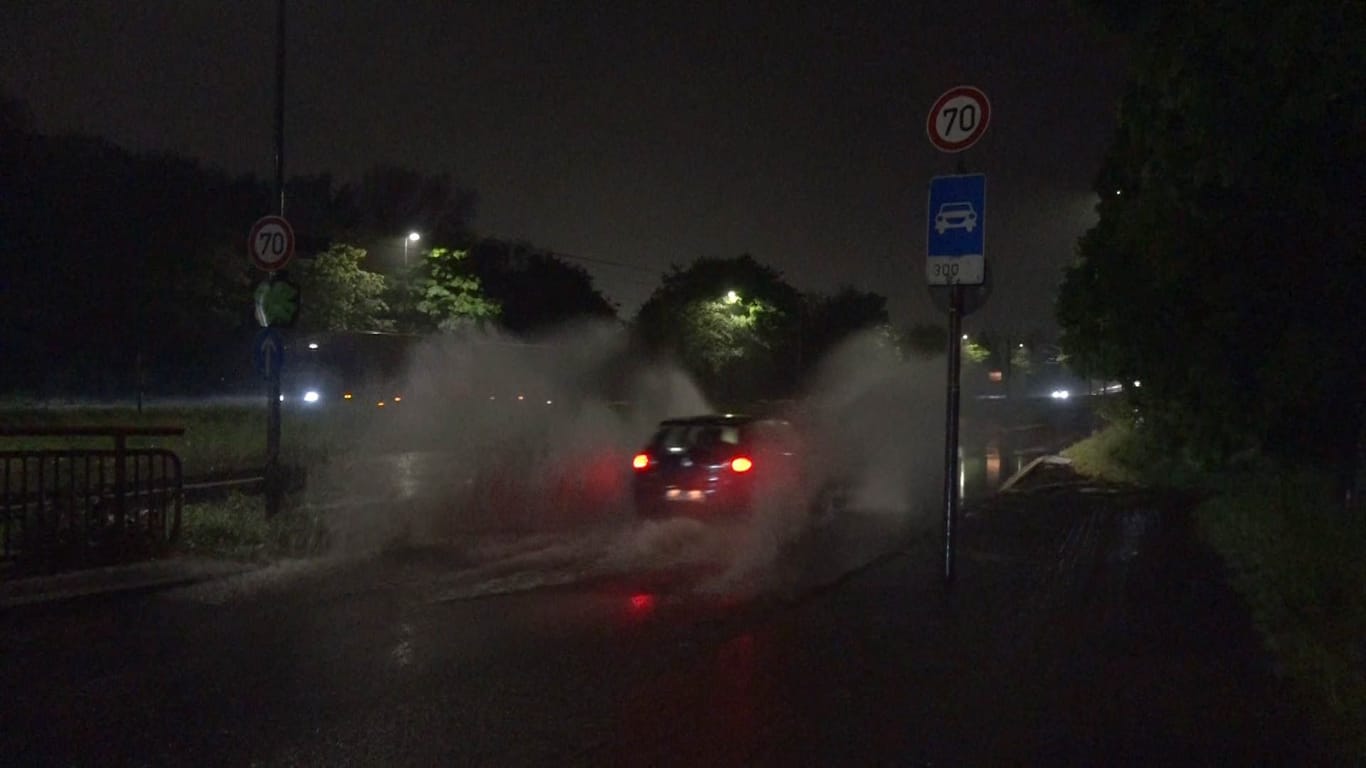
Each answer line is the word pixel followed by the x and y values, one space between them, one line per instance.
pixel 638 133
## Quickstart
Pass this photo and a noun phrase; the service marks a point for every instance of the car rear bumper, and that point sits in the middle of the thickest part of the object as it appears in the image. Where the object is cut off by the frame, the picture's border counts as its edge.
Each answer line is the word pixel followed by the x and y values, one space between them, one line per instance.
pixel 702 505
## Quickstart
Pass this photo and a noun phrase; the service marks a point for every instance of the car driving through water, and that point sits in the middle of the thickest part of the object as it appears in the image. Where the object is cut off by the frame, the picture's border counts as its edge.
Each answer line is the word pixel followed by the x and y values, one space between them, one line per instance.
pixel 718 466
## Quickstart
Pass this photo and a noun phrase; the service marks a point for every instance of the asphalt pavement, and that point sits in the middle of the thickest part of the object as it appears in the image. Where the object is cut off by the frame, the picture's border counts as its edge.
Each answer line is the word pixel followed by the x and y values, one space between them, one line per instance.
pixel 1085 627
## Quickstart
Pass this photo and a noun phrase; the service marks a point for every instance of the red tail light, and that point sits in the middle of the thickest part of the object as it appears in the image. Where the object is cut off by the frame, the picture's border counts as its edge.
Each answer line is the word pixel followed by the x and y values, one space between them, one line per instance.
pixel 741 464
pixel 641 461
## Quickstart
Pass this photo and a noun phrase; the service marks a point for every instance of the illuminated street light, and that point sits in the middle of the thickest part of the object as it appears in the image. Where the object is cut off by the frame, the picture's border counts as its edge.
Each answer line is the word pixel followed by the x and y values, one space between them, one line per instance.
pixel 965 337
pixel 412 237
pixel 732 297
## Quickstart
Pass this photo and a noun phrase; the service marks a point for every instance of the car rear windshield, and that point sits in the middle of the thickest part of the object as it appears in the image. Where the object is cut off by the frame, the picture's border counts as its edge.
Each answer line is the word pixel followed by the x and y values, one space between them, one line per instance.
pixel 677 438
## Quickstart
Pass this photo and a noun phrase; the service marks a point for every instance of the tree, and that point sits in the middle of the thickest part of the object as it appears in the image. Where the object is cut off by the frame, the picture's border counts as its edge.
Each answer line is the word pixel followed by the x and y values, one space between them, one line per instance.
pixel 979 349
pixel 828 320
pixel 87 277
pixel 1227 267
pixel 734 324
pixel 388 202
pixel 1021 360
pixel 339 295
pixel 926 339
pixel 448 297
pixel 536 289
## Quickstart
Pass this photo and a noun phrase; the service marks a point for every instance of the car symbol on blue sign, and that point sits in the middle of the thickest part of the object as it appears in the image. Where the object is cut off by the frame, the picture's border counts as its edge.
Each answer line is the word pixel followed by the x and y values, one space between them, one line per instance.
pixel 956 232
pixel 955 216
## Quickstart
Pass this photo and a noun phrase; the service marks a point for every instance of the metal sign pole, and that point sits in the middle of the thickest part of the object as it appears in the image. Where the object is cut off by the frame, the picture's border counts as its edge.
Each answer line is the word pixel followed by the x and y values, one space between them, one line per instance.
pixel 273 485
pixel 955 352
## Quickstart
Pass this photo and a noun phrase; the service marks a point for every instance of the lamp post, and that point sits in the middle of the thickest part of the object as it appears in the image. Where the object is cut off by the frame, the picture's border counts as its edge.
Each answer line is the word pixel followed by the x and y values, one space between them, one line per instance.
pixel 412 237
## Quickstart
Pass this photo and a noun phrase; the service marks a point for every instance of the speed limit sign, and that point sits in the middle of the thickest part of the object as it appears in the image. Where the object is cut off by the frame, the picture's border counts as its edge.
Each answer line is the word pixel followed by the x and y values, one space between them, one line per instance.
pixel 958 118
pixel 271 243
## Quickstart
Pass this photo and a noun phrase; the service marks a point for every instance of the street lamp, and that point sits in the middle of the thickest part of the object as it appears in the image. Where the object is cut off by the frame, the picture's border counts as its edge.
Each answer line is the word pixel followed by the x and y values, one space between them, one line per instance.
pixel 412 237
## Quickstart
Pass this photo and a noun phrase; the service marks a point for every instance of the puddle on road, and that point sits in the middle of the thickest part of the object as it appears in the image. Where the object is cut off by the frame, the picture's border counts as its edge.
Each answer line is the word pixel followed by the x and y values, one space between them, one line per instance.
pixel 985 469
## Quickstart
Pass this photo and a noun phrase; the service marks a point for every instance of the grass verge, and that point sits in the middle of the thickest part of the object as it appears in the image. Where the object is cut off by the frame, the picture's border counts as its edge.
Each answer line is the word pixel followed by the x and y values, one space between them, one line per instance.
pixel 219 440
pixel 236 528
pixel 1296 559
pixel 1291 553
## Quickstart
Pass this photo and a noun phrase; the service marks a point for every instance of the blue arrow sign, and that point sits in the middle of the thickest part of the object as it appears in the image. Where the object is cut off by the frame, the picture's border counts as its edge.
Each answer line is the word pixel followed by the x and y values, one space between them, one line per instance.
pixel 956 233
pixel 268 353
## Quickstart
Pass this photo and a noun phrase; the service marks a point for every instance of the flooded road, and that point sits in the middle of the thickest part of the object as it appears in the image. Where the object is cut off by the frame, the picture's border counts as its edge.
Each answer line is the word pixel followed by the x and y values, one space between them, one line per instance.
pixel 1084 629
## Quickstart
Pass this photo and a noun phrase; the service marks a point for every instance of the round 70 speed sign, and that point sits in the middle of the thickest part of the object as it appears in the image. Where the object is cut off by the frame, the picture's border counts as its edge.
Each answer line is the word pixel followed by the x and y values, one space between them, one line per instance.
pixel 271 243
pixel 958 118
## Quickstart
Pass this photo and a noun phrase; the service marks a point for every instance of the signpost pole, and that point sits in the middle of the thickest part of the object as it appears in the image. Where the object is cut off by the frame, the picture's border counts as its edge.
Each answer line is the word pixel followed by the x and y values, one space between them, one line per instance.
pixel 955 353
pixel 273 484
pixel 957 121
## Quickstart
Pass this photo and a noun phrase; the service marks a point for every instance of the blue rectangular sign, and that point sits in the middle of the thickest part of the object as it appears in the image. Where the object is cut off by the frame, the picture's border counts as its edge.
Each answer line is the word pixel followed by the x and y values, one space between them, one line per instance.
pixel 268 352
pixel 956 235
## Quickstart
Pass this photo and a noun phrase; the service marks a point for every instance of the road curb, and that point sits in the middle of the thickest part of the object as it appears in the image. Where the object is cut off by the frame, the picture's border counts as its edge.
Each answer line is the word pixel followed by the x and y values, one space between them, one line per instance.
pixel 115 580
pixel 1015 479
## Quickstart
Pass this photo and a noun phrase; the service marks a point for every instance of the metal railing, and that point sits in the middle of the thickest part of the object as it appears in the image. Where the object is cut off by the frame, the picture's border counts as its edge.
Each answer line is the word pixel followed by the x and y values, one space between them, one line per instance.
pixel 66 508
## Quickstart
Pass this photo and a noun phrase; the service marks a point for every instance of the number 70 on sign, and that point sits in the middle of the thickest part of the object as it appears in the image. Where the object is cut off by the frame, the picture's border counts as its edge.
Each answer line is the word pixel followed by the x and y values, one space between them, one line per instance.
pixel 271 243
pixel 958 119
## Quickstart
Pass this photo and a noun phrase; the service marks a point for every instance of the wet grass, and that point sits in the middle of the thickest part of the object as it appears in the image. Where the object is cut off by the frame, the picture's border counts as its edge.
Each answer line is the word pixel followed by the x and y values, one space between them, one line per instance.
pixel 1121 453
pixel 236 528
pixel 1297 560
pixel 1291 552
pixel 219 440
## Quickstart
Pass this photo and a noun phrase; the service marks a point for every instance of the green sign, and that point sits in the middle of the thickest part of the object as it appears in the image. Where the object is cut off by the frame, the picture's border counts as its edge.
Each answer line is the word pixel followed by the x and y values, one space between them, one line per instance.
pixel 277 303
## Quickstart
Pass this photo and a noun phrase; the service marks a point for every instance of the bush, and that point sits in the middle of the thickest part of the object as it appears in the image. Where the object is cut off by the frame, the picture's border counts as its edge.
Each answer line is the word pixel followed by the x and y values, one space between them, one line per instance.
pixel 1126 452
pixel 1298 562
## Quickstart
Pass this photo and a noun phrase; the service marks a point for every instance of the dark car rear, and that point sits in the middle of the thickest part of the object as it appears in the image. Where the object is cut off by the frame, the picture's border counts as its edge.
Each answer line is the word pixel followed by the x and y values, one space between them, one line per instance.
pixel 710 466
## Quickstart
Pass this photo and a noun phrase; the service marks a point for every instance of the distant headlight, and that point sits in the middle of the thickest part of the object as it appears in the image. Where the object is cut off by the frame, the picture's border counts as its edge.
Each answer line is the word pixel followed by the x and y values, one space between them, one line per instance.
pixel 311 396
pixel 1060 394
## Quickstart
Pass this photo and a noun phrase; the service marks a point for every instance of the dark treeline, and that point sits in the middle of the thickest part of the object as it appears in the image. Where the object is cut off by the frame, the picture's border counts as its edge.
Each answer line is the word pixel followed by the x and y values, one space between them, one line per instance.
pixel 127 272
pixel 123 270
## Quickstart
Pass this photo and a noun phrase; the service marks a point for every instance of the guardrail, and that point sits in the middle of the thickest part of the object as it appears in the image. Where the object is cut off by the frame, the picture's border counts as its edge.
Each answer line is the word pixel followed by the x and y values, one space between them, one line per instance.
pixel 66 508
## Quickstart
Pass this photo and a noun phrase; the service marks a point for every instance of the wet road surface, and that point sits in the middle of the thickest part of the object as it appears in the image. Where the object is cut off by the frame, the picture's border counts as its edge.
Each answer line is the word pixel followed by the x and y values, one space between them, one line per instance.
pixel 1085 628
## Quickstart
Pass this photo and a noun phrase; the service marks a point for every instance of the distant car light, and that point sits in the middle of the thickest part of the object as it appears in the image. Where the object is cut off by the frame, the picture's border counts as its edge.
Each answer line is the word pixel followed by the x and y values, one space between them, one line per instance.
pixel 312 345
pixel 741 464
pixel 398 399
pixel 1060 394
pixel 311 396
pixel 346 396
pixel 641 461
pixel 380 404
